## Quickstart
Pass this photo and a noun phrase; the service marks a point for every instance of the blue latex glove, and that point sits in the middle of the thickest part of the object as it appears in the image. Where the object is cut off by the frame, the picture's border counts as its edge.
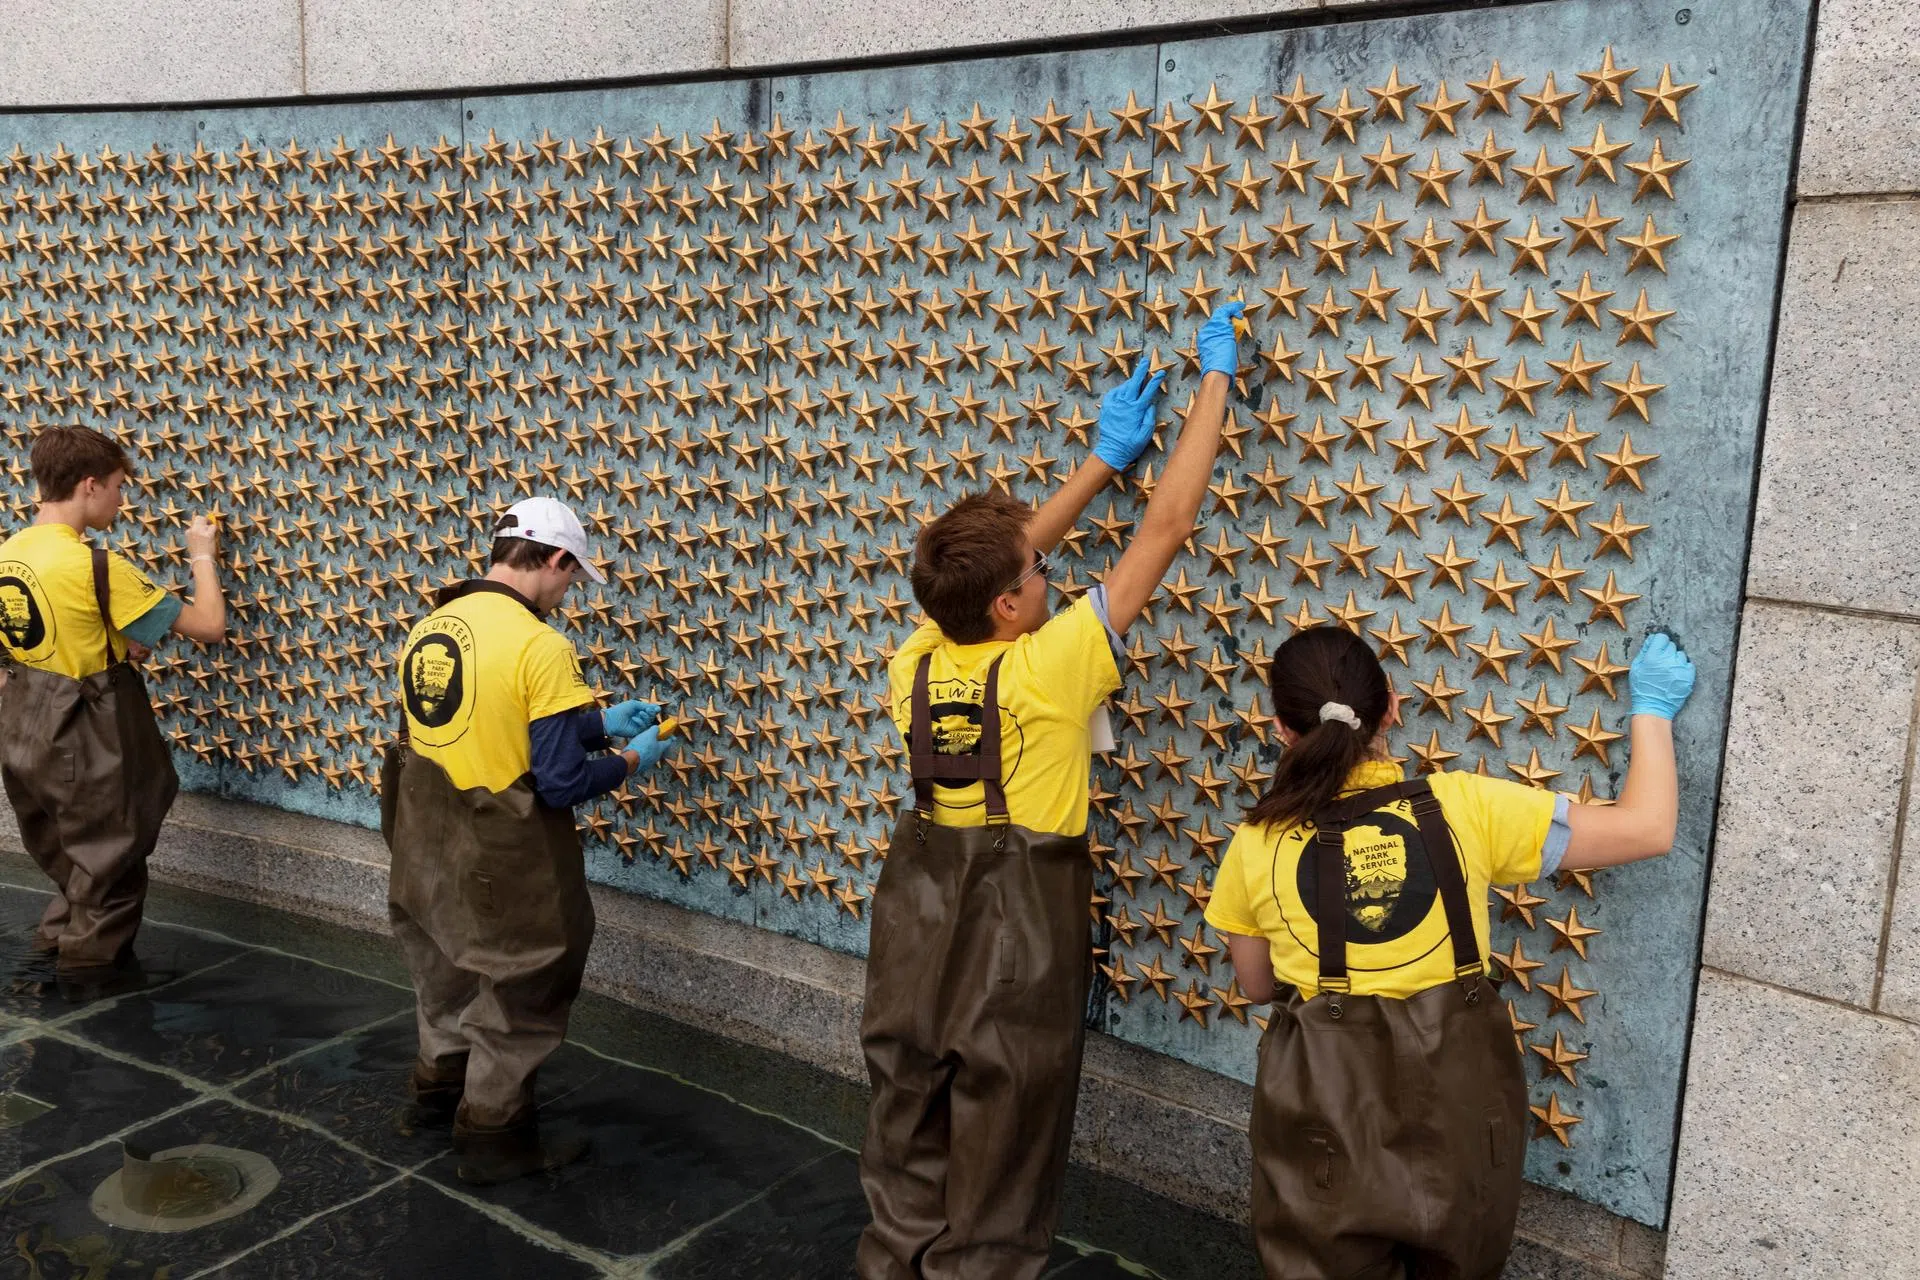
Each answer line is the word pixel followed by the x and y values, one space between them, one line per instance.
pixel 1660 678
pixel 1127 415
pixel 651 750
pixel 1218 347
pixel 629 719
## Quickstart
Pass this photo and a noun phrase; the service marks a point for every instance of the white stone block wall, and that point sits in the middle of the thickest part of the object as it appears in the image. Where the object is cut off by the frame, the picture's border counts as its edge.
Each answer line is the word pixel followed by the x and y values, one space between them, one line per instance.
pixel 1800 1145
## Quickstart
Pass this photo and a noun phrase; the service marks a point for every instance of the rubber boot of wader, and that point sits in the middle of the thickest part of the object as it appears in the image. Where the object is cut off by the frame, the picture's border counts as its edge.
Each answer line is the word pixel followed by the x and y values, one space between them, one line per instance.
pixel 79 984
pixel 432 1101
pixel 486 1157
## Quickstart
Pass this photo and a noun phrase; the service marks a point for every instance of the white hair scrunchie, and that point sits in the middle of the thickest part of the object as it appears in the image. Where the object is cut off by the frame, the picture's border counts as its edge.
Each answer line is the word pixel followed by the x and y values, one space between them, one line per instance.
pixel 1339 711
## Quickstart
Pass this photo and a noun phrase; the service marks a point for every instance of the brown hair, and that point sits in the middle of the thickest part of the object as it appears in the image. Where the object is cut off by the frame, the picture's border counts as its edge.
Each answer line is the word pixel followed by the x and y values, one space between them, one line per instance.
pixel 964 559
pixel 523 553
pixel 1314 667
pixel 64 456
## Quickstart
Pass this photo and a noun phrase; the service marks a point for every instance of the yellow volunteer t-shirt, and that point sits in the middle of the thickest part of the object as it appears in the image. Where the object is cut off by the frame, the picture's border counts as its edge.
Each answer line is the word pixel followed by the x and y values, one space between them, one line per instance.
pixel 49 615
pixel 1051 680
pixel 1397 943
pixel 474 674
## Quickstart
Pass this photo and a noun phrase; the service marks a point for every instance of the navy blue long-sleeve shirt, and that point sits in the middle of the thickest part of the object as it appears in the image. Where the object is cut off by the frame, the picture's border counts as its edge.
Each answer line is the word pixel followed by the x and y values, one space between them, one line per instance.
pixel 564 774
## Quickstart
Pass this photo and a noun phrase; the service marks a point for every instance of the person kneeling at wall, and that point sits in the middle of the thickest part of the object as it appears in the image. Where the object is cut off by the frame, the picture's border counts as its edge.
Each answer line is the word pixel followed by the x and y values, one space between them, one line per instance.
pixel 1389 1111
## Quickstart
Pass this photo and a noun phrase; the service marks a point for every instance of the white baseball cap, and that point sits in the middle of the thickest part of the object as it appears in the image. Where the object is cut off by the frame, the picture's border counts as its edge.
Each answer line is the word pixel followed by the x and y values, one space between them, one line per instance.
pixel 551 523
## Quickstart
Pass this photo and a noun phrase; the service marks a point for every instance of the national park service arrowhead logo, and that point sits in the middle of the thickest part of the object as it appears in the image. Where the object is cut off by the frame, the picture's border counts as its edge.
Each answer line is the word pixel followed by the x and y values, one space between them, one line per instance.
pixel 26 624
pixel 436 682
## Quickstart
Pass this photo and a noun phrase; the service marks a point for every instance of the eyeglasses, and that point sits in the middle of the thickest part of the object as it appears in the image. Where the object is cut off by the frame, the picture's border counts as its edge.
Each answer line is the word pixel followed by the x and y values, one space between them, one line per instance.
pixel 1039 566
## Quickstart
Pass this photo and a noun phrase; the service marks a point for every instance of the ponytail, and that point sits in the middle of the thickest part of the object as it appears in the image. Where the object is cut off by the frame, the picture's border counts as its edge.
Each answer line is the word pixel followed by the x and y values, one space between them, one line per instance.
pixel 1326 668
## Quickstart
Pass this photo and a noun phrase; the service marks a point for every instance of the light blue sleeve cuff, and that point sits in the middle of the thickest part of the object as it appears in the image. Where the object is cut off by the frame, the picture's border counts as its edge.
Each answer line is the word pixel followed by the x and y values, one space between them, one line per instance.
pixel 1559 835
pixel 151 627
pixel 1098 599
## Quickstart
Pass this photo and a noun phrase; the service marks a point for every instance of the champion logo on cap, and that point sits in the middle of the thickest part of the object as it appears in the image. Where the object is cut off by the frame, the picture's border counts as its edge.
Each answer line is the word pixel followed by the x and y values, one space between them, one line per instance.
pixel 551 523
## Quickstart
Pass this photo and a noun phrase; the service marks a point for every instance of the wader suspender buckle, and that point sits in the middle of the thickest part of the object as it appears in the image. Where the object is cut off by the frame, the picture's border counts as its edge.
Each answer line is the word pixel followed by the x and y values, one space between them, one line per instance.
pixel 1330 875
pixel 928 766
pixel 1330 914
pixel 101 597
pixel 1437 836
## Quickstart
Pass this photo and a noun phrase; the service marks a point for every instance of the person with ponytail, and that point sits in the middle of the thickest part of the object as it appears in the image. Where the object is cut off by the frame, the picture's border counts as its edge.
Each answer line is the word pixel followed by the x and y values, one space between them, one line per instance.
pixel 1389 1113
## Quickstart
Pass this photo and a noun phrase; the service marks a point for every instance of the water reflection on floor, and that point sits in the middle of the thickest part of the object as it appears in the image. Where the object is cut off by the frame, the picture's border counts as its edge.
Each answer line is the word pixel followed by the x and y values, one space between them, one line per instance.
pixel 267 1033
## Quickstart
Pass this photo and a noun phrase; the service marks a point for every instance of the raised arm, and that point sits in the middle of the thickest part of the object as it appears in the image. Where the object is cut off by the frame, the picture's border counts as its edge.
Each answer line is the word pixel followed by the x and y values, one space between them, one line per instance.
pixel 204 618
pixel 1168 521
pixel 1127 415
pixel 1641 823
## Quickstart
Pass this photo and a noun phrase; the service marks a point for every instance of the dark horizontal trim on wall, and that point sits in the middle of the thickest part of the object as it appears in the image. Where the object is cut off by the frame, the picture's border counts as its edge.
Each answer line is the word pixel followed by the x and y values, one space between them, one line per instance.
pixel 1129 38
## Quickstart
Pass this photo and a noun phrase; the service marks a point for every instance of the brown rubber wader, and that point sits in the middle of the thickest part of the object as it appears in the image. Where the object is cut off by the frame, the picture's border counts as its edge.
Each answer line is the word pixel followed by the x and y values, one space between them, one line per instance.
pixel 1388 1134
pixel 975 1018
pixel 90 779
pixel 488 899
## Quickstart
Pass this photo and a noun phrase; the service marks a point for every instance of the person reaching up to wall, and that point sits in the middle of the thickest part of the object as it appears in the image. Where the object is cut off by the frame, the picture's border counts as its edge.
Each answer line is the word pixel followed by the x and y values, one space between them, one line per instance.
pixel 83 761
pixel 978 973
pixel 1389 1108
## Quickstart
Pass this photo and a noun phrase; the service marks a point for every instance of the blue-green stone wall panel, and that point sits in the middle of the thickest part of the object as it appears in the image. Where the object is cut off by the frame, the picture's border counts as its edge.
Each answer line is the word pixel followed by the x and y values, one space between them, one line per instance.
pixel 756 329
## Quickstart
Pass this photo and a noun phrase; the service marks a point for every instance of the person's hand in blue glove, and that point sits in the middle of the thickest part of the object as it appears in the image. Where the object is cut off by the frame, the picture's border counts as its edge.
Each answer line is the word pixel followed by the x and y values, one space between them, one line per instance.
pixel 1660 678
pixel 649 748
pixel 1127 415
pixel 629 719
pixel 1217 344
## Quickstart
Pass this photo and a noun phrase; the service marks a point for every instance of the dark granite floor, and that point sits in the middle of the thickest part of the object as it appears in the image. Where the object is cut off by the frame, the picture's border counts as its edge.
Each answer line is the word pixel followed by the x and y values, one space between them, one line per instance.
pixel 272 1034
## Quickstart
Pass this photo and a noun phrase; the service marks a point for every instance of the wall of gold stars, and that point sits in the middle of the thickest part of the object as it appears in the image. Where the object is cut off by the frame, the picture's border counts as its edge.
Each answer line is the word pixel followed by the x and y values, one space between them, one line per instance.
pixel 1509 283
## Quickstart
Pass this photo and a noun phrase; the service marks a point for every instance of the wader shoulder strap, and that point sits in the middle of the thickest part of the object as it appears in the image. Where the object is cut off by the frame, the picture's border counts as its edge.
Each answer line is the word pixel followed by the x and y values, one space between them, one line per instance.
pixel 929 766
pixel 1330 874
pixel 102 596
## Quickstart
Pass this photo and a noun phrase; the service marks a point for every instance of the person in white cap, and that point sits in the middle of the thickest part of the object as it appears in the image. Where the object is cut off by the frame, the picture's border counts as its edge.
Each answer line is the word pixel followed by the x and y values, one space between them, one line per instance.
pixel 488 893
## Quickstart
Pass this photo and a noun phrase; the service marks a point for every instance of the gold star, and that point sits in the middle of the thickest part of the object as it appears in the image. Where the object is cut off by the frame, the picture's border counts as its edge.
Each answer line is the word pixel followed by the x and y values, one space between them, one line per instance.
pixel 1571 933
pixel 1595 739
pixel 1517 966
pixel 1562 511
pixel 1421 318
pixel 1537 179
pixel 1624 464
pixel 1597 157
pixel 1656 171
pixel 1664 98
pixel 1431 756
pixel 1547 645
pixel 1493 91
pixel 1479 231
pixel 1512 454
pixel 1590 228
pixel 1494 657
pixel 1437 694
pixel 1649 248
pixel 1541 712
pixel 1563 995
pixel 1433 182
pixel 1533 773
pixel 1606 83
pixel 1391 97
pixel 1617 533
pixel 1444 630
pixel 1440 112
pixel 1341 118
pixel 1639 323
pixel 1632 393
pixel 1474 298
pixel 1252 125
pixel 1550 1119
pixel 1547 104
pixel 1531 249
pixel 1489 162
pixel 1500 588
pixel 1584 302
pixel 1601 673
pixel 1559 1058
pixel 1517 387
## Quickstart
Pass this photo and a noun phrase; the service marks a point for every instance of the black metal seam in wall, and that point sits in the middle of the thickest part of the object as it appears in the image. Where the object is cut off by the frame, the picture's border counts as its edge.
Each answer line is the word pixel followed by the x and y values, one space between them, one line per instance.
pixel 1153 35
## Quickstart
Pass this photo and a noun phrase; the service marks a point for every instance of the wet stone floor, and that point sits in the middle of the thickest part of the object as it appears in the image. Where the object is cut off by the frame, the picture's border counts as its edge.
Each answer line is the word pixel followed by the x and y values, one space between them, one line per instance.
pixel 253 1031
